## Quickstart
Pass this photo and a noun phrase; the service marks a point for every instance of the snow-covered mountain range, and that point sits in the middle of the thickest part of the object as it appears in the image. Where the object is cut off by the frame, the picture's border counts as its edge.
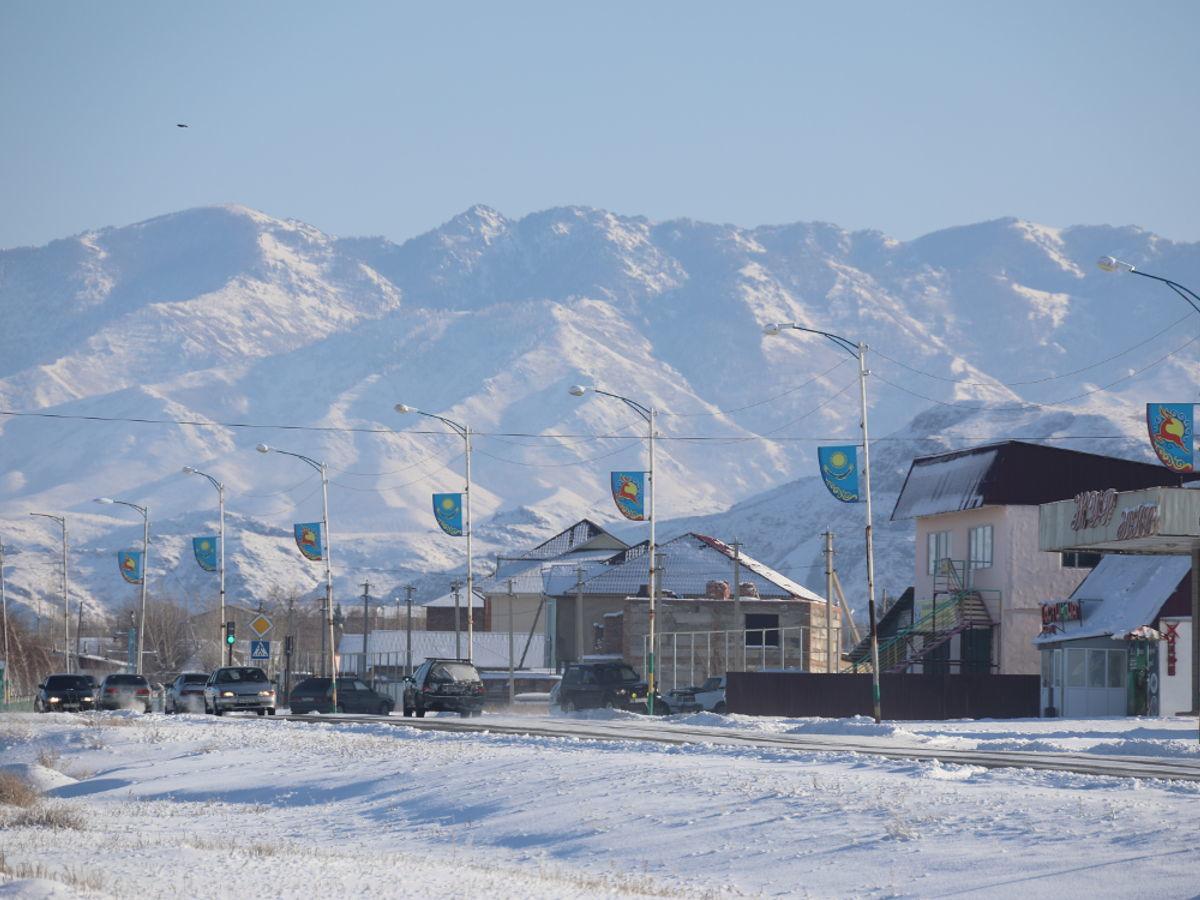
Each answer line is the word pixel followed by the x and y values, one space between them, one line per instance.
pixel 227 315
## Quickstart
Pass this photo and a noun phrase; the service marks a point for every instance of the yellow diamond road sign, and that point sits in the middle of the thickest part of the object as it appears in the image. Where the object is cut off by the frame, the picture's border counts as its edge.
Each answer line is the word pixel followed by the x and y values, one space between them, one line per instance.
pixel 260 625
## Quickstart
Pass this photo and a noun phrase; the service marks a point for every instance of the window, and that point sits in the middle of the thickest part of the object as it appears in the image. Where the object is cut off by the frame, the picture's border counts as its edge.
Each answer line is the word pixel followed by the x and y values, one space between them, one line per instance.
pixel 981 547
pixel 759 631
pixel 1075 667
pixel 1116 668
pixel 937 547
pixel 1078 559
pixel 1097 668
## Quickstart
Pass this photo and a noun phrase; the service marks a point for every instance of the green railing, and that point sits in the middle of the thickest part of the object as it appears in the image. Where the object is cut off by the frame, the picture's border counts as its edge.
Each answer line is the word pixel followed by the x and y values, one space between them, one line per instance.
pixel 943 619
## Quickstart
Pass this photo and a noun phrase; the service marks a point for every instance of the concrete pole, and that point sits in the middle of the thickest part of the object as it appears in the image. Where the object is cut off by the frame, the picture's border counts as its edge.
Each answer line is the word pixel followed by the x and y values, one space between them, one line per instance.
pixel 866 470
pixel 579 614
pixel 512 683
pixel 830 659
pixel 408 595
pixel 470 559
pixel 221 568
pixel 653 585
pixel 327 553
pixel 454 585
pixel 1195 631
pixel 366 625
pixel 739 621
pixel 66 604
pixel 141 641
pixel 4 611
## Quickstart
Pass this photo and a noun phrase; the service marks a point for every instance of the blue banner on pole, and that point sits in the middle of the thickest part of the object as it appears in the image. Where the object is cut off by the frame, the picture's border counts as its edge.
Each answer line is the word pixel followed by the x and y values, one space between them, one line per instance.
pixel 308 540
pixel 447 509
pixel 839 471
pixel 1171 434
pixel 629 493
pixel 130 564
pixel 205 549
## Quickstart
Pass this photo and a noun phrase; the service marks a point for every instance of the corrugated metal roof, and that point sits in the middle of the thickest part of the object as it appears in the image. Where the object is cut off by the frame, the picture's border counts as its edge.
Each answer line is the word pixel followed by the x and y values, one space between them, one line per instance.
pixel 1017 473
pixel 573 538
pixel 690 562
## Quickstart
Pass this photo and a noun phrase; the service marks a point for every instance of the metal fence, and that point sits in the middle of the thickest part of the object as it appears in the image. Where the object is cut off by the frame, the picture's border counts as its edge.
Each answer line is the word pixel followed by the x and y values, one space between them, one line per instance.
pixel 686 658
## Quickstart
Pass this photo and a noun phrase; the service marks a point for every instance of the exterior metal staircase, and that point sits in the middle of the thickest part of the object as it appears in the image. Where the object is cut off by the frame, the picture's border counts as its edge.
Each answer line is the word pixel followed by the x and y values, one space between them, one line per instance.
pixel 955 607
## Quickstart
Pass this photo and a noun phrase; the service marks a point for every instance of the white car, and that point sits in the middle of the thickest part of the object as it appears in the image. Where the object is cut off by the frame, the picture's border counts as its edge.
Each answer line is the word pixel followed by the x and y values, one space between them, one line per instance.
pixel 711 694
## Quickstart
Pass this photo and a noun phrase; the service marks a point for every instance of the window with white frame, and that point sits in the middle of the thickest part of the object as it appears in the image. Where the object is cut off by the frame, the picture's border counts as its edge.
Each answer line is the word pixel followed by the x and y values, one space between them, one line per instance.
pixel 937 547
pixel 980 540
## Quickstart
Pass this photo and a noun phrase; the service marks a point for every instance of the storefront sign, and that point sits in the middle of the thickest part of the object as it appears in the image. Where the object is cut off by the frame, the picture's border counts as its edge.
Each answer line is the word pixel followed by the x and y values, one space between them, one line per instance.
pixel 1094 509
pixel 1059 612
pixel 1138 522
pixel 1171 635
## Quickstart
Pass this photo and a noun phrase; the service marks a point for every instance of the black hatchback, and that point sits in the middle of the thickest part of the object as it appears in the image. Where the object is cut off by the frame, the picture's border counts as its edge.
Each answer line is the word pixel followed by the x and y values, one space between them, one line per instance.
pixel 444 685
pixel 354 696
pixel 66 693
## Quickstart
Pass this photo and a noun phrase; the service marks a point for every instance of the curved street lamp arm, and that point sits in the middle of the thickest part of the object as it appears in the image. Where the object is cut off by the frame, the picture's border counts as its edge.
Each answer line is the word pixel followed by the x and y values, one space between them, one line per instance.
pixel 308 459
pixel 140 509
pixel 1189 296
pixel 641 410
pixel 459 428
pixel 836 339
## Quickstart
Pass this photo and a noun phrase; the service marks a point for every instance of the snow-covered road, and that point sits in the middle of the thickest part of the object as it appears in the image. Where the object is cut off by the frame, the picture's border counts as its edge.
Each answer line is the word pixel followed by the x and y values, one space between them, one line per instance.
pixel 196 807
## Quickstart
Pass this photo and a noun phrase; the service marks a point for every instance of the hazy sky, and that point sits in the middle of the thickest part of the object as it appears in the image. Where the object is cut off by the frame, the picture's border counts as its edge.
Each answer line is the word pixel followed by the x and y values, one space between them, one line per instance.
pixel 383 118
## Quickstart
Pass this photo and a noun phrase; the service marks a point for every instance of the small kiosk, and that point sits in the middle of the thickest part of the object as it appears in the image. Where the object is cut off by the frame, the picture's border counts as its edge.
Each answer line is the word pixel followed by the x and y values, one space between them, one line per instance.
pixel 1079 636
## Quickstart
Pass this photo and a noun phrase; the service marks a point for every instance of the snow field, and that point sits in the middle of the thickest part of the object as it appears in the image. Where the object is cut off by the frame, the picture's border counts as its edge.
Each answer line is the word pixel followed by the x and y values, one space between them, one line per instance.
pixel 192 806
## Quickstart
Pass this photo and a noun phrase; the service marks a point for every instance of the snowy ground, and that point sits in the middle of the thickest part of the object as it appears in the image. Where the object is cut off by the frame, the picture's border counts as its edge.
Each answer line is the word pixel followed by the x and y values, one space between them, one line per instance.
pixel 191 806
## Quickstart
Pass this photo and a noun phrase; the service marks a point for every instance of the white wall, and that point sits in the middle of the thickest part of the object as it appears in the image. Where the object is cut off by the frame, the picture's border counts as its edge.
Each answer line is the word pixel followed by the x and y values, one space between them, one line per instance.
pixel 1175 692
pixel 1023 574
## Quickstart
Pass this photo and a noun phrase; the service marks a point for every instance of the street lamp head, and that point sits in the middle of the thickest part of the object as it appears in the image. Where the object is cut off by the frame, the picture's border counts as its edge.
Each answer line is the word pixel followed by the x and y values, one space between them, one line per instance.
pixel 1112 264
pixel 577 390
pixel 108 501
pixel 263 448
pixel 189 470
pixel 404 408
pixel 772 329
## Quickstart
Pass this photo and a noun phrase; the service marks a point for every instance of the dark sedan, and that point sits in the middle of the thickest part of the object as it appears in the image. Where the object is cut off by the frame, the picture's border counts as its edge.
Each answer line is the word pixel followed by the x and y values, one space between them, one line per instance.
pixel 66 693
pixel 354 696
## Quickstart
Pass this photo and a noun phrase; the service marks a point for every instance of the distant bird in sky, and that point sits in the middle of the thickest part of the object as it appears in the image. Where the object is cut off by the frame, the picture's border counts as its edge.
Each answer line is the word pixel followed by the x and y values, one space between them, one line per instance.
pixel 180 125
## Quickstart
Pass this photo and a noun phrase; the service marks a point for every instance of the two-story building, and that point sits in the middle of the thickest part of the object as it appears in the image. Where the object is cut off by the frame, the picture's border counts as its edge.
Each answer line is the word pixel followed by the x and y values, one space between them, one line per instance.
pixel 980 576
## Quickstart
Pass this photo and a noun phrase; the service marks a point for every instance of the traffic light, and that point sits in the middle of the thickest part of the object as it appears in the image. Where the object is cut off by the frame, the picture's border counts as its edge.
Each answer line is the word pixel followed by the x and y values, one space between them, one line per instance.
pixel 230 637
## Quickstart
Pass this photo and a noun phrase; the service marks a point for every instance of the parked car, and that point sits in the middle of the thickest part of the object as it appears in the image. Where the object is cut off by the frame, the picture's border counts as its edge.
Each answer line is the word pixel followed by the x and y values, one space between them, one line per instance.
pixel 606 685
pixel 124 691
pixel 709 696
pixel 354 696
pixel 233 688
pixel 63 693
pixel 186 693
pixel 444 685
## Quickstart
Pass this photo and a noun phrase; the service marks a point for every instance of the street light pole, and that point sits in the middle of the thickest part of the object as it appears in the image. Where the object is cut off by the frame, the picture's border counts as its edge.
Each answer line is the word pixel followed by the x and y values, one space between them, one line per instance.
pixel 463 431
pixel 649 414
pixel 859 351
pixel 189 470
pixel 326 552
pixel 1112 264
pixel 62 523
pixel 145 511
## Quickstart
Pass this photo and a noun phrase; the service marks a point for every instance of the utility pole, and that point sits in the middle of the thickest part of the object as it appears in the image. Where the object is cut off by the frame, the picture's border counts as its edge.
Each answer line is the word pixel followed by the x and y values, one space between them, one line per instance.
pixel 454 586
pixel 739 620
pixel 408 595
pixel 366 625
pixel 4 609
pixel 512 684
pixel 579 613
pixel 829 647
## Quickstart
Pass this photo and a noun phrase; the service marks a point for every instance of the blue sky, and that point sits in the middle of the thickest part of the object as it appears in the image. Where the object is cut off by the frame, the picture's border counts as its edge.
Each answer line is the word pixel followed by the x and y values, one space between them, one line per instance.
pixel 388 118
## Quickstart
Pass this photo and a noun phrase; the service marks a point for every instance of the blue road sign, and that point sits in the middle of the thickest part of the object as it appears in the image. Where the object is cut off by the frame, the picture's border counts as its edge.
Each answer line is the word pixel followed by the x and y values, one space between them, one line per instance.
pixel 260 649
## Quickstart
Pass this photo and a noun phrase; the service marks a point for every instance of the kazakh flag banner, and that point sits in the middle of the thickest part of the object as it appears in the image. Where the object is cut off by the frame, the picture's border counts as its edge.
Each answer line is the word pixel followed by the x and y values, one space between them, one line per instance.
pixel 447 509
pixel 308 539
pixel 1170 426
pixel 839 470
pixel 130 564
pixel 205 549
pixel 629 493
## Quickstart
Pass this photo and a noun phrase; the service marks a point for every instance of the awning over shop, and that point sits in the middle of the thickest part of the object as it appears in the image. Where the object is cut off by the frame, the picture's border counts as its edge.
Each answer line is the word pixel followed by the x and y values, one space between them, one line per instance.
pixel 1158 520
